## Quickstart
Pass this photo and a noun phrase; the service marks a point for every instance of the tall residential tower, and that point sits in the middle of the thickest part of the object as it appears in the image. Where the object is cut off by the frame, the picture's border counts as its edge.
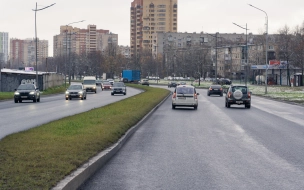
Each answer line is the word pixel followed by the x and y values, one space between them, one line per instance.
pixel 148 17
pixel 3 46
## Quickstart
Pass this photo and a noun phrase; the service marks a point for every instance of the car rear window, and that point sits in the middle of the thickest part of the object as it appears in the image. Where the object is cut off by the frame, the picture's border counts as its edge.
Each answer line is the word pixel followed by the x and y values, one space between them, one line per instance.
pixel 243 89
pixel 185 90
pixel 216 86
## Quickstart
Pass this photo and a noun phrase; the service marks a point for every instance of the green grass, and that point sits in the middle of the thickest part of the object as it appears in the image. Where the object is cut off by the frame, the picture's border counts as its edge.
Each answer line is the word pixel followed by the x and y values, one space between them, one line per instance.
pixel 40 157
pixel 52 90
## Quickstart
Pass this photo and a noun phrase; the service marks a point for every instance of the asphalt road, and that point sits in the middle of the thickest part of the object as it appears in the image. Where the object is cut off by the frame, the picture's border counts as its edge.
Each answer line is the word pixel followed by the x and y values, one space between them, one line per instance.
pixel 211 148
pixel 22 116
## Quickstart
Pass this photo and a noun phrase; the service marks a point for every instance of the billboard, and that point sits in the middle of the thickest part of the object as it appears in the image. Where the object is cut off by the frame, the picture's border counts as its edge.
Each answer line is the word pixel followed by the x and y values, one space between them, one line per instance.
pixel 273 64
pixel 29 69
pixel 276 64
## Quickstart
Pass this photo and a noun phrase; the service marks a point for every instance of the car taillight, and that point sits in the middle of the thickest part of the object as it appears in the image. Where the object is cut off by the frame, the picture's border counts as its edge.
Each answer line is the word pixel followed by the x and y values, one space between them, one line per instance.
pixel 229 94
pixel 195 96
pixel 174 95
pixel 210 88
pixel 249 95
pixel 221 89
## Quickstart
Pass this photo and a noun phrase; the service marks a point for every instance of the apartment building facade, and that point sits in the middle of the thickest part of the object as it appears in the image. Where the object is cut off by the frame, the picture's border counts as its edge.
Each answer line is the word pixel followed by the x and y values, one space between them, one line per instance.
pixel 23 52
pixel 4 47
pixel 82 41
pixel 148 17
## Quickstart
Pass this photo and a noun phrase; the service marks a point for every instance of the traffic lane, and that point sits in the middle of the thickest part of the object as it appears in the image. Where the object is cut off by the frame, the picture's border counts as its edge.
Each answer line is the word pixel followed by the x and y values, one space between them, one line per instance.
pixel 283 121
pixel 208 148
pixel 23 116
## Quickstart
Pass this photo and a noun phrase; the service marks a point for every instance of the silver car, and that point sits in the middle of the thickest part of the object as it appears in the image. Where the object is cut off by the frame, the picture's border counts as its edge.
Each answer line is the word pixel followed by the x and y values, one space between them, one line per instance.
pixel 76 91
pixel 185 96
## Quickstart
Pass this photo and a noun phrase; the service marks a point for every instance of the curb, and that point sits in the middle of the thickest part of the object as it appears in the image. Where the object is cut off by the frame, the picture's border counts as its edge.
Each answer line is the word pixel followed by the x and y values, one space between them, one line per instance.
pixel 84 172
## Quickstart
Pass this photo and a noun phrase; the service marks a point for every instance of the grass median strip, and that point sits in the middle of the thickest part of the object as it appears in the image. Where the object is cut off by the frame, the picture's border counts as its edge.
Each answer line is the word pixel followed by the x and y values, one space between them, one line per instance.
pixel 40 157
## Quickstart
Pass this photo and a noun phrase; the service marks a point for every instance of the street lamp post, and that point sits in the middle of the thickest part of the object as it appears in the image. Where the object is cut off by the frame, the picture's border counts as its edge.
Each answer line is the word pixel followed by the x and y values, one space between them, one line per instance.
pixel 66 46
pixel 36 37
pixel 215 54
pixel 246 59
pixel 266 44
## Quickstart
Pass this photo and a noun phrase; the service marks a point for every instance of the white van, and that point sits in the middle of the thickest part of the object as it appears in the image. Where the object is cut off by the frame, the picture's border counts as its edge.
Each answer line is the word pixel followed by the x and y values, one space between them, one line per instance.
pixel 89 84
pixel 186 96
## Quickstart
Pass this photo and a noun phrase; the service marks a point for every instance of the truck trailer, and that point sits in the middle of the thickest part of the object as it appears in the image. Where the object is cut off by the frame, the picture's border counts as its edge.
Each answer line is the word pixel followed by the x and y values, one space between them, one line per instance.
pixel 131 76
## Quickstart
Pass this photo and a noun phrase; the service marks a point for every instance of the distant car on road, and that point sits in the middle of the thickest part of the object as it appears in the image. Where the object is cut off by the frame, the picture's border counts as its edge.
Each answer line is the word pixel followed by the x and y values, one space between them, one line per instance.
pixel 111 81
pixel 186 96
pixel 119 88
pixel 106 86
pixel 215 89
pixel 27 92
pixel 224 81
pixel 172 84
pixel 239 95
pixel 76 91
pixel 145 82
pixel 182 83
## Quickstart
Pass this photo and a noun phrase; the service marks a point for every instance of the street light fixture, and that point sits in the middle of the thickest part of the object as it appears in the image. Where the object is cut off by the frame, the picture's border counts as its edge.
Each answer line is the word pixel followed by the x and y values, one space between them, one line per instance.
pixel 266 44
pixel 36 37
pixel 66 45
pixel 246 60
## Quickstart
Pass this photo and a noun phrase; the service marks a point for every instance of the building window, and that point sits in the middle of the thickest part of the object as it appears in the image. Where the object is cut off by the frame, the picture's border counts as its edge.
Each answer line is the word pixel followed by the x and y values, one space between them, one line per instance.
pixel 175 15
pixel 161 19
pixel 161 10
pixel 175 6
pixel 161 15
pixel 161 23
pixel 161 6
pixel 151 6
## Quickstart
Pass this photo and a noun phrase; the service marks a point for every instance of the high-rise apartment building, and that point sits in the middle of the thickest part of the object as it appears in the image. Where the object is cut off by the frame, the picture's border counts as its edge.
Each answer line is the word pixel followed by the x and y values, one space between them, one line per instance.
pixel 23 52
pixel 3 47
pixel 82 41
pixel 148 17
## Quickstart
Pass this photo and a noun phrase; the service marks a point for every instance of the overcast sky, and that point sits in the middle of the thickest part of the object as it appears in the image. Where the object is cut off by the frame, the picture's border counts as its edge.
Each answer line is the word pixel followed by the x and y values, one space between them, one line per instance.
pixel 18 19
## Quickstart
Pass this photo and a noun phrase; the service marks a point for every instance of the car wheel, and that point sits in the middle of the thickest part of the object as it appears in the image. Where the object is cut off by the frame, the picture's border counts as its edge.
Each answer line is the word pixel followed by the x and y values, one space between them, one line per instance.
pixel 81 98
pixel 70 98
pixel 20 101
pixel 228 105
pixel 208 94
pixel 112 94
pixel 66 98
pixel 38 100
pixel 85 97
pixel 248 106
pixel 125 93
pixel 195 107
pixel 35 100
pixel 16 101
pixel 173 106
pixel 221 94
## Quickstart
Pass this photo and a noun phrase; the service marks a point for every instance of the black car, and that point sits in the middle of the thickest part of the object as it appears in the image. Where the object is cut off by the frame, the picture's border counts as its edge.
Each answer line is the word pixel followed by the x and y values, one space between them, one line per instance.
pixel 215 89
pixel 119 88
pixel 172 84
pixel 27 92
pixel 224 81
pixel 239 95
pixel 76 91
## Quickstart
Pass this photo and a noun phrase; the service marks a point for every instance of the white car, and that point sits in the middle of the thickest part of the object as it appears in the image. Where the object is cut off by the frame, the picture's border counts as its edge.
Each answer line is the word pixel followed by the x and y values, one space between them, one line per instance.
pixel 185 96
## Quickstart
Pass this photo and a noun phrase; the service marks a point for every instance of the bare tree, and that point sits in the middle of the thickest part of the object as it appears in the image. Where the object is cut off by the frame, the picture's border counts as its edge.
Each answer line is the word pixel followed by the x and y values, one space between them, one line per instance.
pixel 285 46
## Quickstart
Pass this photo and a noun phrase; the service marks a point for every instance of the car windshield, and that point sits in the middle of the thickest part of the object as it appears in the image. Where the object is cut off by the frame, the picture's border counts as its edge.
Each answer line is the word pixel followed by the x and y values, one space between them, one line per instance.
pixel 118 84
pixel 106 83
pixel 243 89
pixel 26 87
pixel 185 90
pixel 89 82
pixel 75 87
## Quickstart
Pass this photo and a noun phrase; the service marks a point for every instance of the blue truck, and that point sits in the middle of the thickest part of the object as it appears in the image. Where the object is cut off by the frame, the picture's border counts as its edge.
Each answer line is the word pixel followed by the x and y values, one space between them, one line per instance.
pixel 131 76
